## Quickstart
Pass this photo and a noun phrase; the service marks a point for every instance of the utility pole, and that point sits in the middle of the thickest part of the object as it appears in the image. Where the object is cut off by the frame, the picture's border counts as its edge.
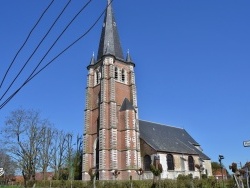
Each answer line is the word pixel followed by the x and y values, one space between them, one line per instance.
pixel 220 158
pixel 247 178
pixel 247 144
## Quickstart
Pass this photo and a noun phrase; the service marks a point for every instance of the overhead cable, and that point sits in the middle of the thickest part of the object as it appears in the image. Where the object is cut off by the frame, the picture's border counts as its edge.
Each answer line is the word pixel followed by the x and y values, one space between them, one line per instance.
pixel 27 38
pixel 58 38
pixel 58 55
pixel 64 8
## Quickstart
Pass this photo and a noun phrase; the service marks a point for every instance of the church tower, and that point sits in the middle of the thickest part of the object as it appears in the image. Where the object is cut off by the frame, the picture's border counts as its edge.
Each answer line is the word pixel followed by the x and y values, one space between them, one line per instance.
pixel 111 135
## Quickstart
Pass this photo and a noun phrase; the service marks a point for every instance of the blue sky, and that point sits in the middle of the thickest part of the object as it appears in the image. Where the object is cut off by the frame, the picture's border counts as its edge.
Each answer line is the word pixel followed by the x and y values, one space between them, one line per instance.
pixel 192 65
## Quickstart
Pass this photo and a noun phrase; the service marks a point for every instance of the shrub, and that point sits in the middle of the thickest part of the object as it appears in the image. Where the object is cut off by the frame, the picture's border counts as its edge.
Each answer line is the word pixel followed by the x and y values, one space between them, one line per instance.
pixel 181 182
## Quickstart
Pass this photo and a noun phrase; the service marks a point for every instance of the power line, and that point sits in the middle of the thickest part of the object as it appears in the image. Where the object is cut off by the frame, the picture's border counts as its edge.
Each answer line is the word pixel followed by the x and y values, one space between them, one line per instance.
pixel 69 46
pixel 27 38
pixel 58 38
pixel 36 49
pixel 51 45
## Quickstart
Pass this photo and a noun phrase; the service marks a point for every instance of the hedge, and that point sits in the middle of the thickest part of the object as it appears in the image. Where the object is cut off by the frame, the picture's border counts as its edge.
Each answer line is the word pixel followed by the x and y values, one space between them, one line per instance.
pixel 166 183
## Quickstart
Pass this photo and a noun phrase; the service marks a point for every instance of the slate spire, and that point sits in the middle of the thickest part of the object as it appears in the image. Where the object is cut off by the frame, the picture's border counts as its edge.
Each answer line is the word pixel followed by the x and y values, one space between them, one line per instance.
pixel 109 41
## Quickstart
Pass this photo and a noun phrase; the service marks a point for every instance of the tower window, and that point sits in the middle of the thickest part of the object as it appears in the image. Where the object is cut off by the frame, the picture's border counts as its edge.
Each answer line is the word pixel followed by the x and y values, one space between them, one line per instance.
pixel 170 162
pixel 97 77
pixel 116 73
pixel 123 75
pixel 190 163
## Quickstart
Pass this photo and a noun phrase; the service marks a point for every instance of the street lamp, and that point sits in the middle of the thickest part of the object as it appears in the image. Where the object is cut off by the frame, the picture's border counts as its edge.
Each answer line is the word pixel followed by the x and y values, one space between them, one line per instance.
pixel 220 158
pixel 115 173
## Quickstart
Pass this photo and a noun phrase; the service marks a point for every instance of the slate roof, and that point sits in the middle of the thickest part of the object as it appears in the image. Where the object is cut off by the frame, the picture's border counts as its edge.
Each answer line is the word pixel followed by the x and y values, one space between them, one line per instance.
pixel 126 105
pixel 109 41
pixel 170 139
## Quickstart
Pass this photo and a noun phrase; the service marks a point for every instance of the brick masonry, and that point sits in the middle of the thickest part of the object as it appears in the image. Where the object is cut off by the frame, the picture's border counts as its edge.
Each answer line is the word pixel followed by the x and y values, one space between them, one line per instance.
pixel 115 131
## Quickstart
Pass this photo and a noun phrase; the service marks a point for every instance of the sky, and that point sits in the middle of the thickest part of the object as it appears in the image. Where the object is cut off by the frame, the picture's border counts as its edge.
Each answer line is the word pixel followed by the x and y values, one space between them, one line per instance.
pixel 192 65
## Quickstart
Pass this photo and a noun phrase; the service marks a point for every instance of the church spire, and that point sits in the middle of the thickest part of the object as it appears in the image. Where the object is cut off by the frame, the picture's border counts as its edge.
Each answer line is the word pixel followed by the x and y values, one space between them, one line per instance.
pixel 109 41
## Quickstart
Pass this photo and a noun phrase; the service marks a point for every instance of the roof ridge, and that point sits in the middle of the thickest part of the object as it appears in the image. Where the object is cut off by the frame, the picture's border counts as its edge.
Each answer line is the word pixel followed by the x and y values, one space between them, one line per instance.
pixel 163 124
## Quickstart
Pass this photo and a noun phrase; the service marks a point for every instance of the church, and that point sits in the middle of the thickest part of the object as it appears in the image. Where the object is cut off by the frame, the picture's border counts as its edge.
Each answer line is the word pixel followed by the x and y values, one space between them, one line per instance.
pixel 116 142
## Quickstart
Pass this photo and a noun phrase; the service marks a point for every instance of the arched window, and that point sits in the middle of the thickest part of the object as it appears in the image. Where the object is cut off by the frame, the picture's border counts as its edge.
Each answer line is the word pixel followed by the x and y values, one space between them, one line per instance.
pixel 190 163
pixel 147 162
pixel 170 162
pixel 116 73
pixel 98 76
pixel 123 75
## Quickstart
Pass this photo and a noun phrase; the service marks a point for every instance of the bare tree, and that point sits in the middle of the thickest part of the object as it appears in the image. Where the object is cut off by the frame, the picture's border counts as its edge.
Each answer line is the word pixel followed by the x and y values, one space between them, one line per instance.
pixel 45 149
pixel 58 153
pixel 36 145
pixel 23 133
pixel 69 151
pixel 7 164
pixel 78 158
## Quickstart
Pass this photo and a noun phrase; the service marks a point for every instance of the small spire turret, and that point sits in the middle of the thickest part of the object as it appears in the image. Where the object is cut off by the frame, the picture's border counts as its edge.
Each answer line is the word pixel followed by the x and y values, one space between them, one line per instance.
pixel 92 60
pixel 128 58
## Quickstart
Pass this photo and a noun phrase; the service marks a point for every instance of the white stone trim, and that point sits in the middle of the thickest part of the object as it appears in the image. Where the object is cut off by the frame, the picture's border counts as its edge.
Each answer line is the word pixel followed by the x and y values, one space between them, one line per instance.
pixel 103 115
pixel 113 138
pixel 102 159
pixel 86 120
pixel 128 158
pixel 112 115
pixel 113 161
pixel 103 90
pixel 134 95
pixel 134 120
pixel 94 152
pixel 85 162
pixel 127 139
pixel 112 89
pixel 138 141
pixel 102 139
pixel 126 119
pixel 133 139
